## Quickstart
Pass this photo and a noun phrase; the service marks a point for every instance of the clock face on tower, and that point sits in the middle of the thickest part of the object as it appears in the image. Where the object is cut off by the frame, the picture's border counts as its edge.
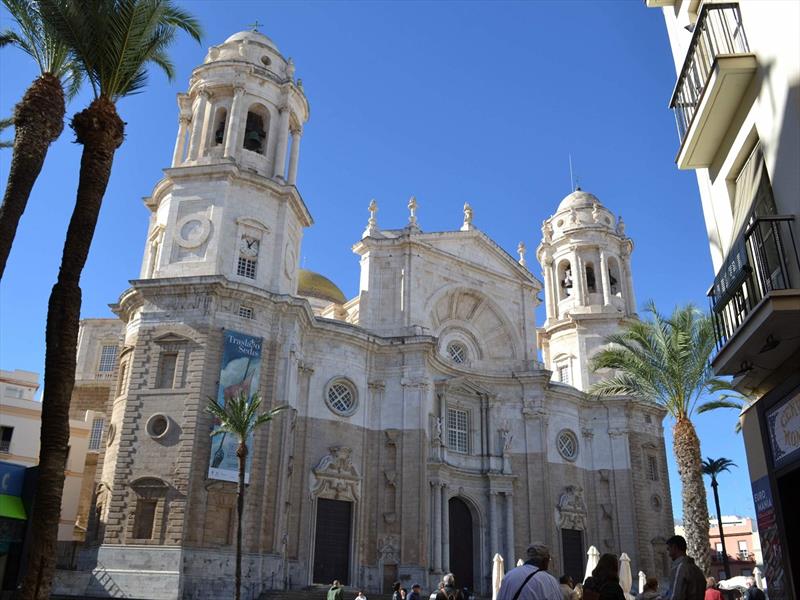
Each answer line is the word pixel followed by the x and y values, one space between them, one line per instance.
pixel 248 246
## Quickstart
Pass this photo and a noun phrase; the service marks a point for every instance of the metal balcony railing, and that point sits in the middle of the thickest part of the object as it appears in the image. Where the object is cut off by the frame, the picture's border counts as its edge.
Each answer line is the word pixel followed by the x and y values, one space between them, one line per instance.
pixel 718 32
pixel 743 555
pixel 758 263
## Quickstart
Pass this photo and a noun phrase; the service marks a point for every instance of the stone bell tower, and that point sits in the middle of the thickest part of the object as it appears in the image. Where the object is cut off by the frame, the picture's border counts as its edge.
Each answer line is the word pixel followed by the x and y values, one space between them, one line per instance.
pixel 229 204
pixel 585 258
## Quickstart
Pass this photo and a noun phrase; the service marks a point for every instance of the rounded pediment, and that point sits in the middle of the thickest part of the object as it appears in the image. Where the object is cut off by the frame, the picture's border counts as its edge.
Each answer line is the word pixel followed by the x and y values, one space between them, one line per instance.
pixel 469 321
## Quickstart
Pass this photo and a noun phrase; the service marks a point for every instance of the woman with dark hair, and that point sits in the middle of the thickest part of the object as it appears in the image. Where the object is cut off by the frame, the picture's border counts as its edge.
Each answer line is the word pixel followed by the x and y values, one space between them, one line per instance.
pixel 604 582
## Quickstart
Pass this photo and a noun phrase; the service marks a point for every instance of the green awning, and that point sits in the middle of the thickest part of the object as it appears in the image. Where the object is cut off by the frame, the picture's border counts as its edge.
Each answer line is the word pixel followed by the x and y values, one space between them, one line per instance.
pixel 11 507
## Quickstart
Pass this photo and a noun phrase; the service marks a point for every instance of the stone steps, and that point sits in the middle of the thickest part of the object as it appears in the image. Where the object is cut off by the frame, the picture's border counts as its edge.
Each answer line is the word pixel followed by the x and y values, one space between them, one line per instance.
pixel 316 593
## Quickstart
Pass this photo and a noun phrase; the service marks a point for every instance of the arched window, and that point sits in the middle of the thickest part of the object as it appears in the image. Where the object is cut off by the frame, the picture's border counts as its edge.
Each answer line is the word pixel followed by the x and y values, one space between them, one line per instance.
pixel 220 119
pixel 256 129
pixel 591 284
pixel 613 276
pixel 564 280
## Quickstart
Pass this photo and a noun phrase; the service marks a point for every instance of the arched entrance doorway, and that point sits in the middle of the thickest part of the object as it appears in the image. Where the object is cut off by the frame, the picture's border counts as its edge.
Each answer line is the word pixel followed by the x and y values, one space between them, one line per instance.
pixel 332 541
pixel 461 543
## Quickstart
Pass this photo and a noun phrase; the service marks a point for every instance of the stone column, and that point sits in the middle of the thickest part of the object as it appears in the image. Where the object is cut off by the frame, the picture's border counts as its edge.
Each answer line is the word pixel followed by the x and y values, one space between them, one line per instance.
pixel 579 280
pixel 445 530
pixel 294 155
pixel 631 297
pixel 208 126
pixel 556 285
pixel 197 124
pixel 283 142
pixel 234 127
pixel 604 278
pixel 511 560
pixel 436 540
pixel 494 525
pixel 549 292
pixel 180 142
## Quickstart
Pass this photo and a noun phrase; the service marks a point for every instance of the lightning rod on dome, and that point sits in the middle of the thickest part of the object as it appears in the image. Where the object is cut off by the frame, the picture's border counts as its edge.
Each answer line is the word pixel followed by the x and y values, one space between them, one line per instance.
pixel 574 184
pixel 255 25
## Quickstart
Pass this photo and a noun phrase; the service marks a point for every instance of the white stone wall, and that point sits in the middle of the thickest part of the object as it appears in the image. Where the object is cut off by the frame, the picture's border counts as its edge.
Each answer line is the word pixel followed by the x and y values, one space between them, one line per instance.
pixel 769 112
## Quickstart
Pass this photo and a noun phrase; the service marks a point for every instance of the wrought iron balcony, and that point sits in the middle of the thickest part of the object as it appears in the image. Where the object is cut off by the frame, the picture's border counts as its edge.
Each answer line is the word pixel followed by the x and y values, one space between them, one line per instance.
pixel 717 70
pixel 763 261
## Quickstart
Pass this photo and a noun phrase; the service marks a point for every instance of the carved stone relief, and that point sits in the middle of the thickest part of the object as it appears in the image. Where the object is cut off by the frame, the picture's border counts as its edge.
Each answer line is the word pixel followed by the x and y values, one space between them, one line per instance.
pixel 571 508
pixel 389 549
pixel 335 476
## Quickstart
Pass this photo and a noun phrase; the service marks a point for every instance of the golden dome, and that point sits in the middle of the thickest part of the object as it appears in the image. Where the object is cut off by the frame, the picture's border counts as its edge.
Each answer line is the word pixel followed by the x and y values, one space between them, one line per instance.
pixel 314 285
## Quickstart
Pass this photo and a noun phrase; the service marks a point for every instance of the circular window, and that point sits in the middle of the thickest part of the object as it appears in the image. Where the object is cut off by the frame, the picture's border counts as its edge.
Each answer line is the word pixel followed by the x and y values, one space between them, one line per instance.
pixel 341 397
pixel 457 352
pixel 559 223
pixel 266 61
pixel 193 231
pixel 567 444
pixel 112 431
pixel 157 426
pixel 655 502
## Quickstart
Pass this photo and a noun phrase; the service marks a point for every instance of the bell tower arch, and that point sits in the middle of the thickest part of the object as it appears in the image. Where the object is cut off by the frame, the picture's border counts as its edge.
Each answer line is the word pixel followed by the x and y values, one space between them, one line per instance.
pixel 585 258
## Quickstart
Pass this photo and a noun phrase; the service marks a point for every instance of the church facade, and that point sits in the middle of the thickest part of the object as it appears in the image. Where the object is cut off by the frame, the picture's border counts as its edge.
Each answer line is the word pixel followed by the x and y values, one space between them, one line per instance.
pixel 423 434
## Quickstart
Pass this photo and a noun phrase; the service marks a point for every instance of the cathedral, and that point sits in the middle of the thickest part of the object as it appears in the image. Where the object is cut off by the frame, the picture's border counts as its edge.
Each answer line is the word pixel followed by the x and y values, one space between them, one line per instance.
pixel 424 433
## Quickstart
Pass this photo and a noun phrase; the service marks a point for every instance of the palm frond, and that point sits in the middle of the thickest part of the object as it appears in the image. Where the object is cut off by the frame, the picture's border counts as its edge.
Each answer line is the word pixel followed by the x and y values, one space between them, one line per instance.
pixel 240 416
pixel 39 38
pixel 665 360
pixel 716 404
pixel 715 466
pixel 5 124
pixel 116 40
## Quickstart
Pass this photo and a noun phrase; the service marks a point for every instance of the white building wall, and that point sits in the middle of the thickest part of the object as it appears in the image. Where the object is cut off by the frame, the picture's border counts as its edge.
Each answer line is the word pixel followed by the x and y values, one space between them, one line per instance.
pixel 25 417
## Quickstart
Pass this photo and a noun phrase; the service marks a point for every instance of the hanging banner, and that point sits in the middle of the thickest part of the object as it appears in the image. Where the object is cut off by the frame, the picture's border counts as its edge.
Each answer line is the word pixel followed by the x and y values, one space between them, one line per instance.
pixel 770 539
pixel 240 373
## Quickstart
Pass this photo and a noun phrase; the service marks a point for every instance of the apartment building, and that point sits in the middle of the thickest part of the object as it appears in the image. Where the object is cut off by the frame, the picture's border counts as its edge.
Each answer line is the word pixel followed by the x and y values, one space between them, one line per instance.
pixel 741 543
pixel 736 103
pixel 20 424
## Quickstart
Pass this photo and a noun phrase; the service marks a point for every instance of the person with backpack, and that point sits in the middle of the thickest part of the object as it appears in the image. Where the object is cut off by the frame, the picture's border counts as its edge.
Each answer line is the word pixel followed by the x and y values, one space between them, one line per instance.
pixel 686 580
pixel 531 581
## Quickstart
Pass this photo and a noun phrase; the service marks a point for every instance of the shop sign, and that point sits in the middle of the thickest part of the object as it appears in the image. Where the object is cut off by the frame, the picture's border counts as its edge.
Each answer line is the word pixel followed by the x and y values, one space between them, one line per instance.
pixel 770 539
pixel 783 428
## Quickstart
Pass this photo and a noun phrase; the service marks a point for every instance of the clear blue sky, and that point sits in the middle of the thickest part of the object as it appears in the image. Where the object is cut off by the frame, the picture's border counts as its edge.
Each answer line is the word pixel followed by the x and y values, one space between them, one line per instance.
pixel 452 102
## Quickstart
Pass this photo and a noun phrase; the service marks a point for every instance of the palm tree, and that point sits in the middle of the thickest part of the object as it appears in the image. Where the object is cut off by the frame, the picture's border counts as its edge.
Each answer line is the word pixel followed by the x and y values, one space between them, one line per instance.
pixel 240 418
pixel 114 41
pixel 39 117
pixel 713 467
pixel 666 360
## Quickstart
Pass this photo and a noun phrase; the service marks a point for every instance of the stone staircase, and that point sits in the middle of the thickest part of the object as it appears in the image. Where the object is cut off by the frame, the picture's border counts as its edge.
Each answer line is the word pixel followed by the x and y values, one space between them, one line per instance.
pixel 317 592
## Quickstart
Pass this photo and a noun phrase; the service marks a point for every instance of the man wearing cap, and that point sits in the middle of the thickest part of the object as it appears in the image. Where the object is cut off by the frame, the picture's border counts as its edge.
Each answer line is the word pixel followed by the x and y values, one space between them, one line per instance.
pixel 531 581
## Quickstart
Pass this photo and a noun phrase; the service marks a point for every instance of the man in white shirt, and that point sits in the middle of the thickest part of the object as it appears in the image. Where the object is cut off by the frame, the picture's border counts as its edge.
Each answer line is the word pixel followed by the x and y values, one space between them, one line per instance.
pixel 531 581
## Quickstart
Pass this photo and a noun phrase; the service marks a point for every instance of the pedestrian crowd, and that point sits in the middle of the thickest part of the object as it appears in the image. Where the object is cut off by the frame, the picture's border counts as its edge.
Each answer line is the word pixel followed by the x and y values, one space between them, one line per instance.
pixel 532 581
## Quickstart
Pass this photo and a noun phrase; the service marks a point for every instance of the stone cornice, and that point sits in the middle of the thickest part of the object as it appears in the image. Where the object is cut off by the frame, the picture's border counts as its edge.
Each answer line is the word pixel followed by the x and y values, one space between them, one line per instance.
pixel 227 169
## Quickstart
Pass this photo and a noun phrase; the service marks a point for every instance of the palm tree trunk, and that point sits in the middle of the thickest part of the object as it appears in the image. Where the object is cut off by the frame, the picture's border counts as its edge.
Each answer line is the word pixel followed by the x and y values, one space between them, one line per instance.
pixel 101 131
pixel 241 453
pixel 725 563
pixel 686 446
pixel 38 121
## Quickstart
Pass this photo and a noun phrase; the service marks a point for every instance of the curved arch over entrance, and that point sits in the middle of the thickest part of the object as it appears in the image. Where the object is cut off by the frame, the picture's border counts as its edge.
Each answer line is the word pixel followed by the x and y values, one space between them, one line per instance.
pixel 462 547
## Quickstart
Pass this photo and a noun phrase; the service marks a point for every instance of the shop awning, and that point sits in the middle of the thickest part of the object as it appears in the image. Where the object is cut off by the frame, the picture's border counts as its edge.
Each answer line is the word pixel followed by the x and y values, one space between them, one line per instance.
pixel 11 507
